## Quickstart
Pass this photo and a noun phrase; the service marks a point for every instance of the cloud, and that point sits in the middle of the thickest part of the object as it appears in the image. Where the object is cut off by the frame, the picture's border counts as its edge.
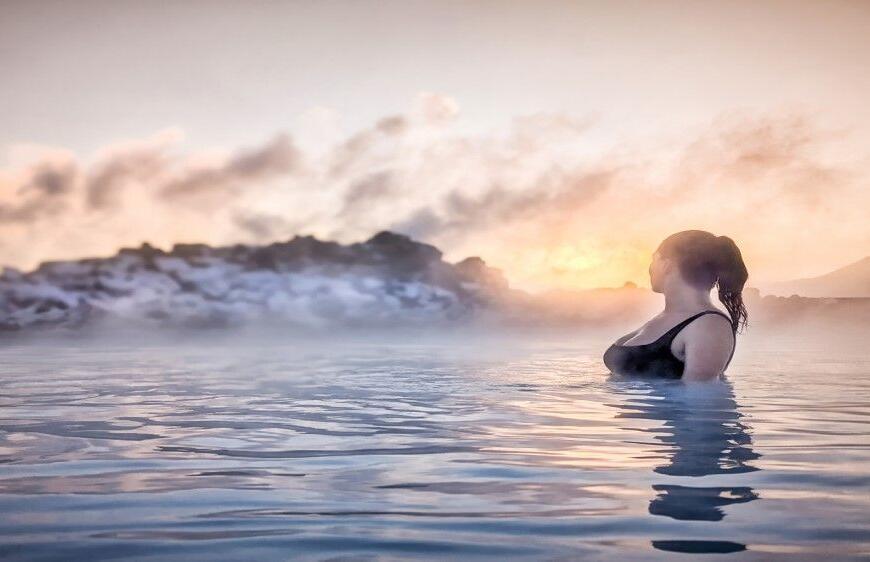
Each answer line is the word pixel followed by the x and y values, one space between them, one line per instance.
pixel 780 153
pixel 277 157
pixel 359 149
pixel 435 109
pixel 375 186
pixel 264 226
pixel 144 162
pixel 41 189
pixel 566 193
pixel 544 202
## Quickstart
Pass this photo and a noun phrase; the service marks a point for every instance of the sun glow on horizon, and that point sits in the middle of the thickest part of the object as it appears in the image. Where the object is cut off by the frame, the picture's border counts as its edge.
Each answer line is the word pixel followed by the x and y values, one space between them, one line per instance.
pixel 571 266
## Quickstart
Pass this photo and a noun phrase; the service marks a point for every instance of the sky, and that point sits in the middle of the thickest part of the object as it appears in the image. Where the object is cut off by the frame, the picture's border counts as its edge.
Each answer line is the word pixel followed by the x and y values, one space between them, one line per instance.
pixel 560 141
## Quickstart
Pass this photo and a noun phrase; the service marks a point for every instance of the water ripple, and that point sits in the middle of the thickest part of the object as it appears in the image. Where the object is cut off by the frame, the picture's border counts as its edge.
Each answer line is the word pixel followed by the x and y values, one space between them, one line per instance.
pixel 425 451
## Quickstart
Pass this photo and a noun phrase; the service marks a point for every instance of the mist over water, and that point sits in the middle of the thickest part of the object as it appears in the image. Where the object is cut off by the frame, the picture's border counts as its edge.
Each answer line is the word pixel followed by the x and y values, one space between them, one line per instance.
pixel 428 445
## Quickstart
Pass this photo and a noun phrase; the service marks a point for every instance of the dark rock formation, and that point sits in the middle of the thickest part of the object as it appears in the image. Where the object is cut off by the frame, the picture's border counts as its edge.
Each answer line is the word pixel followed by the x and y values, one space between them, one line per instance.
pixel 387 280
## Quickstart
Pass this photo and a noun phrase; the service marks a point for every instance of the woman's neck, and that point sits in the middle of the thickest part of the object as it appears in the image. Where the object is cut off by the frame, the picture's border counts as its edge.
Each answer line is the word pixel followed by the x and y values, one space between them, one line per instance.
pixel 686 299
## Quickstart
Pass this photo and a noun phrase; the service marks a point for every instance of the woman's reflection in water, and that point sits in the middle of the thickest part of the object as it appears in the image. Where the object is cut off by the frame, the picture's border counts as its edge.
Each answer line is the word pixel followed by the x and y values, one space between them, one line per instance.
pixel 705 436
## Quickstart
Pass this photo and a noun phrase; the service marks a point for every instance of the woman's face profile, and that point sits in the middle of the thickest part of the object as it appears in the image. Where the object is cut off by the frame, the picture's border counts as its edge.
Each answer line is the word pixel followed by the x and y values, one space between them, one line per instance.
pixel 658 267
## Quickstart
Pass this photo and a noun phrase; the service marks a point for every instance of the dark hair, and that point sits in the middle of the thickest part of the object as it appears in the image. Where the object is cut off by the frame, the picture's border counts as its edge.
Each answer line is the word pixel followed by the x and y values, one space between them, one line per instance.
pixel 704 260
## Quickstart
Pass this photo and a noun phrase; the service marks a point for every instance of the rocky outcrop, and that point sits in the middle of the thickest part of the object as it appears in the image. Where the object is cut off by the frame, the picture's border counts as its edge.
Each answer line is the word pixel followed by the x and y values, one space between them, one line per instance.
pixel 387 280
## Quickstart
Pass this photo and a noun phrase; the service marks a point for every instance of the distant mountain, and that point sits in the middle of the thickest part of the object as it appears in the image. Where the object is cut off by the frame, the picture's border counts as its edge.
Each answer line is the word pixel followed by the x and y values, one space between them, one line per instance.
pixel 387 280
pixel 852 280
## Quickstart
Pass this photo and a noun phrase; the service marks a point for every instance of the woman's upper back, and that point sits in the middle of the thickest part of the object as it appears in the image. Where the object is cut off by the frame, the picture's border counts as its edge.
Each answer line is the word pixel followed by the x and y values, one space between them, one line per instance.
pixel 655 358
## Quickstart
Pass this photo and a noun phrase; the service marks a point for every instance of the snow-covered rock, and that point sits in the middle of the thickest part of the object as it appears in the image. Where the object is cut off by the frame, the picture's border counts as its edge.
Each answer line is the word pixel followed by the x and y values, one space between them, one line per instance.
pixel 388 280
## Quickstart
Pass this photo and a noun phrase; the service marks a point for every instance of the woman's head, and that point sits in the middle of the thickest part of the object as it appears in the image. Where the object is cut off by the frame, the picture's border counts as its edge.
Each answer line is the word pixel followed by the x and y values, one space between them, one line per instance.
pixel 702 260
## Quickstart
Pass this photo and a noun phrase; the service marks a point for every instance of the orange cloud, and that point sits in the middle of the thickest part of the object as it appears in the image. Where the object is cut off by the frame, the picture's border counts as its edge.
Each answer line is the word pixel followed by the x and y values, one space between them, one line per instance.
pixel 543 202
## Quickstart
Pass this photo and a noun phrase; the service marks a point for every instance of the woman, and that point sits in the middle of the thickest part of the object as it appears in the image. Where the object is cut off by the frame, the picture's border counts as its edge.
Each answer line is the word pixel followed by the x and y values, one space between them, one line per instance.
pixel 691 338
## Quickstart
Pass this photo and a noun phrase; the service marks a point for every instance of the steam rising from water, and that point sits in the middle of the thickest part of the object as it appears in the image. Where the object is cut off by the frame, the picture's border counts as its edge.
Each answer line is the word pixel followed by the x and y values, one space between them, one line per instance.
pixel 544 203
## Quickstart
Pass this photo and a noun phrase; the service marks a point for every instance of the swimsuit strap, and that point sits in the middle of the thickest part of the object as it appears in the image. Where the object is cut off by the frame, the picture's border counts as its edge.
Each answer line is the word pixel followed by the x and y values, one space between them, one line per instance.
pixel 676 329
pixel 685 322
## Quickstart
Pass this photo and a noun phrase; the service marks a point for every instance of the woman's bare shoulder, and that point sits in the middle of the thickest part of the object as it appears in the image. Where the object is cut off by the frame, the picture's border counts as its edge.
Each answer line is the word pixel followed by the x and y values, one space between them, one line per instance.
pixel 707 346
pixel 717 325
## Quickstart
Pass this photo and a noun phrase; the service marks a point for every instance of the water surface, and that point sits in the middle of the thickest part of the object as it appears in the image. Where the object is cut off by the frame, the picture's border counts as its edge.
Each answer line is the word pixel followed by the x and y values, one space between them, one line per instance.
pixel 390 451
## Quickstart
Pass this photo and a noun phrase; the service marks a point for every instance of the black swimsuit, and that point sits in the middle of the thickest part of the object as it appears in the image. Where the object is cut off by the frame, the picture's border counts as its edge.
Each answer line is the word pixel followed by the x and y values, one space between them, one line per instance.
pixel 655 358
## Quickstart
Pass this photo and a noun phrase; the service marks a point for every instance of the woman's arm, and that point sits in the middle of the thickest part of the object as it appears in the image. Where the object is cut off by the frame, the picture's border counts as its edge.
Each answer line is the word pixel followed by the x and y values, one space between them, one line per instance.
pixel 708 347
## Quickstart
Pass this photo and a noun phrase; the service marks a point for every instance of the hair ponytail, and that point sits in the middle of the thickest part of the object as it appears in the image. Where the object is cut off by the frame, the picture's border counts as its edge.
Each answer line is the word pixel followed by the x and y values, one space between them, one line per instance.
pixel 706 260
pixel 732 275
